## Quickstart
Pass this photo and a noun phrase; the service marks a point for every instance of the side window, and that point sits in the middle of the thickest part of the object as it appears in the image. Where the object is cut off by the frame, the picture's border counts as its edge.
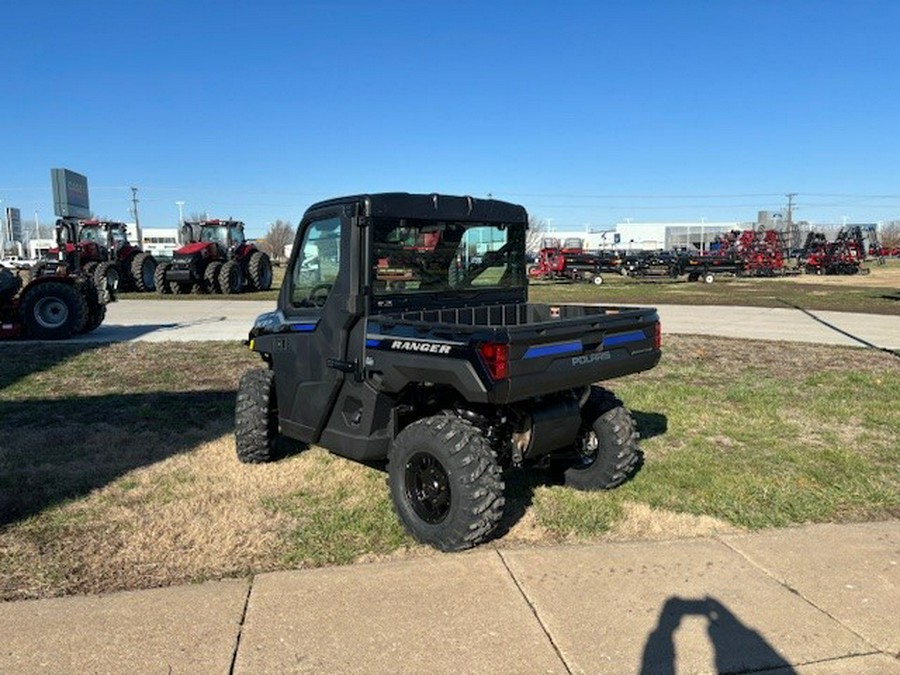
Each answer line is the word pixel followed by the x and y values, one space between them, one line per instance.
pixel 317 264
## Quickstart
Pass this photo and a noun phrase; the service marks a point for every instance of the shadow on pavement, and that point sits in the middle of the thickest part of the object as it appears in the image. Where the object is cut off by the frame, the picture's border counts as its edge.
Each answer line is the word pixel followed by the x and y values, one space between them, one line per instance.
pixel 737 647
pixel 825 323
pixel 54 450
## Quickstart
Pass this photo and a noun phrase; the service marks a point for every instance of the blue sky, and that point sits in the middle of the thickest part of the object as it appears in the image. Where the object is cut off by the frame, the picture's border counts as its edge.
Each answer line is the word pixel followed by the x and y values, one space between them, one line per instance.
pixel 585 112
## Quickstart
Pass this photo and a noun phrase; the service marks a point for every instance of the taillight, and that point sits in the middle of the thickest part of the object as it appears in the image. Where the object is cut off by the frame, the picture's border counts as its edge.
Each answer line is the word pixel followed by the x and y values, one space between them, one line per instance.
pixel 496 357
pixel 657 336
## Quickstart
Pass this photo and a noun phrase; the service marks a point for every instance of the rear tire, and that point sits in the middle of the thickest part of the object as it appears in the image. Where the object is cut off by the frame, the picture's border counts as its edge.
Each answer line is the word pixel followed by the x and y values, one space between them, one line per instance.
pixel 53 310
pixel 256 417
pixel 446 483
pixel 259 269
pixel 607 444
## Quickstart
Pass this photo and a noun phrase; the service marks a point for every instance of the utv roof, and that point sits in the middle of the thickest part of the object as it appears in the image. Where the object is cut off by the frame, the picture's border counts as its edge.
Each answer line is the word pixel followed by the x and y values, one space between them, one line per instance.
pixel 429 206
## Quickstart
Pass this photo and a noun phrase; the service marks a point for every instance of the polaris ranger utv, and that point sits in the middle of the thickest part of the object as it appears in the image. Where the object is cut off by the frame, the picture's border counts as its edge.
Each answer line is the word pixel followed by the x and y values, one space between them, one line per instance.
pixel 404 334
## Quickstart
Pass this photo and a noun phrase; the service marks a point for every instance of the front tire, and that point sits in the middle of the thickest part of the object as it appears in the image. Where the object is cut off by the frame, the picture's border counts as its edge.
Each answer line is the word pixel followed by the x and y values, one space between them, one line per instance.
pixel 159 278
pixel 211 277
pixel 256 417
pixel 607 444
pixel 143 272
pixel 446 483
pixel 231 279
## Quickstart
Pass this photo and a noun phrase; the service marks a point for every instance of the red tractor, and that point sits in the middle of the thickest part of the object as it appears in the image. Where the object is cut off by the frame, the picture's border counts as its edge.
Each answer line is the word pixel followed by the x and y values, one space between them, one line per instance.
pixel 216 259
pixel 105 254
pixel 58 302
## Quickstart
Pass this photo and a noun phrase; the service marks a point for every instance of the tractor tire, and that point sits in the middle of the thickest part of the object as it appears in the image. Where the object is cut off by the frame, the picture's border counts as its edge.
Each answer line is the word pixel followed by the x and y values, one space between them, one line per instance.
pixel 607 445
pixel 107 279
pixel 159 278
pixel 259 269
pixel 143 272
pixel 211 277
pixel 231 279
pixel 709 278
pixel 256 417
pixel 96 308
pixel 693 276
pixel 445 482
pixel 598 280
pixel 180 287
pixel 53 310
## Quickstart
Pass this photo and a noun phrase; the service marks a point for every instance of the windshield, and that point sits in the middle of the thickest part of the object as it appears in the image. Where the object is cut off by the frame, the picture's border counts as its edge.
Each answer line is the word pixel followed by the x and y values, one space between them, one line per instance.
pixel 414 256
pixel 218 234
pixel 93 234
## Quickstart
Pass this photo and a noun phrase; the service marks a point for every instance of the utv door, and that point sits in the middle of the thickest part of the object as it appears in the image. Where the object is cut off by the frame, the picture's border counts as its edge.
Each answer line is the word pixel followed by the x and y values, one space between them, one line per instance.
pixel 310 358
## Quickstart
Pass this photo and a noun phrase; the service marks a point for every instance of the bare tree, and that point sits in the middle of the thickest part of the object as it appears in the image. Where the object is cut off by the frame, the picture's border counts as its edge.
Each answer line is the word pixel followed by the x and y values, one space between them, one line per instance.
pixel 280 234
pixel 889 234
pixel 537 228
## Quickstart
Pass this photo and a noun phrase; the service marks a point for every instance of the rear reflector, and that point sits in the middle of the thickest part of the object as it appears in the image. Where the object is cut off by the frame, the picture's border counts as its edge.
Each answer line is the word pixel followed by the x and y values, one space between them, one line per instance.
pixel 657 336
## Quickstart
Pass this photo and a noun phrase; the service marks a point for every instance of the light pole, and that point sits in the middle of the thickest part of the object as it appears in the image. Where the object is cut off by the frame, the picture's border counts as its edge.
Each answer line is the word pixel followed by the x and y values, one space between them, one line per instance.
pixel 180 206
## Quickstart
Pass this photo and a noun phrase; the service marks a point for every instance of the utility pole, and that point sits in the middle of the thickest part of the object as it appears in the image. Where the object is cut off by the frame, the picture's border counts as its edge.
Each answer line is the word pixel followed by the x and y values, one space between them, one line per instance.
pixel 793 236
pixel 137 222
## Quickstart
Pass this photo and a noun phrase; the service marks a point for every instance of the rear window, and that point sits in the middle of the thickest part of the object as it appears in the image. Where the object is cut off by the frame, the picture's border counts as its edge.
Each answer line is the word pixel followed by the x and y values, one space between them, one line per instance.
pixel 411 256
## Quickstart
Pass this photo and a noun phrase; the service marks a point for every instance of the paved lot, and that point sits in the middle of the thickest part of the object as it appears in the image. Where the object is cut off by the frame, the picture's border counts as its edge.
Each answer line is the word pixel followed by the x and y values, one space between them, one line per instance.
pixel 184 320
pixel 816 600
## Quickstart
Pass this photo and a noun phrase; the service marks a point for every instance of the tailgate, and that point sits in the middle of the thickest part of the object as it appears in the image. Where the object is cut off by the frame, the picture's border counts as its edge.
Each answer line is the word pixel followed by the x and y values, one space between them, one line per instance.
pixel 577 346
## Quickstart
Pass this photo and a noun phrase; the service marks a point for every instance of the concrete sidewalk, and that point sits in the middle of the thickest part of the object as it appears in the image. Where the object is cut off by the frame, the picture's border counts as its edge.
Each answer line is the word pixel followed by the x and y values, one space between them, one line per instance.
pixel 816 599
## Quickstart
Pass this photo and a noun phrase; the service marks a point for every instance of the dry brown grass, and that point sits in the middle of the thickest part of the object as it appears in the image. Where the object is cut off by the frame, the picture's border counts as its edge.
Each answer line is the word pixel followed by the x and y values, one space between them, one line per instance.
pixel 878 276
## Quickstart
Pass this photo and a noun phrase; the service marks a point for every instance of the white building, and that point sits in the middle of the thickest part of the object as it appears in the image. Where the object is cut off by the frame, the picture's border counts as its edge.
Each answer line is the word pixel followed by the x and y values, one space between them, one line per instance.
pixel 669 235
pixel 634 236
pixel 160 241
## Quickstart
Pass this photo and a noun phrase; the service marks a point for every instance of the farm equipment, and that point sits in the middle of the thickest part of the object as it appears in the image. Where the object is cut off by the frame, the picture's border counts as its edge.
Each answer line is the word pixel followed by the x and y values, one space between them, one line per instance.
pixel 566 262
pixel 104 253
pixel 216 259
pixel 60 300
pixel 844 255
pixel 753 253
pixel 656 264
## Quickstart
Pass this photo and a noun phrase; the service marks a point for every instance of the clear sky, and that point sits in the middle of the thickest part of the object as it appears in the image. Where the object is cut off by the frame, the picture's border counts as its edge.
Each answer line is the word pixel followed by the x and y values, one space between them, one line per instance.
pixel 585 112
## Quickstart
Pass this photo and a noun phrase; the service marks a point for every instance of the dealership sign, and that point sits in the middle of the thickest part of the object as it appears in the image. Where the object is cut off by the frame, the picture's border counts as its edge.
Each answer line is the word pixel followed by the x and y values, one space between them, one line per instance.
pixel 70 194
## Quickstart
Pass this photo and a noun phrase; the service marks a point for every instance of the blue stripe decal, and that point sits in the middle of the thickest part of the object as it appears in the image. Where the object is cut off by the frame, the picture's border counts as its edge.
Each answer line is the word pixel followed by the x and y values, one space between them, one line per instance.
pixel 553 350
pixel 304 327
pixel 621 338
pixel 373 343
